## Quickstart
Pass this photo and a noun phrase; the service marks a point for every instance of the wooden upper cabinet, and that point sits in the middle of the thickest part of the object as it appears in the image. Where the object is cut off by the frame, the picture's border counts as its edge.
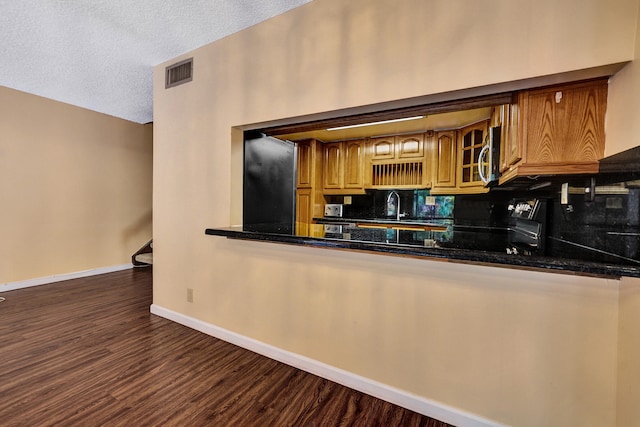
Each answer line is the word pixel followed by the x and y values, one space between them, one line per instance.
pixel 496 116
pixel 353 164
pixel 565 125
pixel 410 146
pixel 343 170
pixel 306 164
pixel 561 130
pixel 444 163
pixel 397 147
pixel 333 167
pixel 309 164
pixel 470 140
pixel 455 162
pixel 510 143
pixel 309 197
pixel 398 162
pixel 383 148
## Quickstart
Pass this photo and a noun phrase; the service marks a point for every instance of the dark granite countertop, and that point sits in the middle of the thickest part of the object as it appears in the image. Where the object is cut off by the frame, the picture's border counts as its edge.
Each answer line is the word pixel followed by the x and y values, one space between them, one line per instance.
pixel 453 254
pixel 386 221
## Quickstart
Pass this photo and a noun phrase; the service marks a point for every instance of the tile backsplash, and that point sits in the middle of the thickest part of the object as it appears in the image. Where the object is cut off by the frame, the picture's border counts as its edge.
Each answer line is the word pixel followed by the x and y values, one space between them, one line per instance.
pixel 432 207
pixel 601 228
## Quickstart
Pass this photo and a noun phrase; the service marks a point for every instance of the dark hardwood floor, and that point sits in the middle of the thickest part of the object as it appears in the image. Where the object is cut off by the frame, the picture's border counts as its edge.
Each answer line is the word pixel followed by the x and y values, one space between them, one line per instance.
pixel 87 352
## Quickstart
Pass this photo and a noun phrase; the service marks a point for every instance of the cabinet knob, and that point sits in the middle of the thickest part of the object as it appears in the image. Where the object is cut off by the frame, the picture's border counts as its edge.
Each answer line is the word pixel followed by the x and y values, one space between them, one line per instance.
pixel 558 97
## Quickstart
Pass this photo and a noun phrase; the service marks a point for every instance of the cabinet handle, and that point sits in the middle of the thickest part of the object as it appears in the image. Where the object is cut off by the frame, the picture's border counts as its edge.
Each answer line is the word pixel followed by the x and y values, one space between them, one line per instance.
pixel 558 97
pixel 482 154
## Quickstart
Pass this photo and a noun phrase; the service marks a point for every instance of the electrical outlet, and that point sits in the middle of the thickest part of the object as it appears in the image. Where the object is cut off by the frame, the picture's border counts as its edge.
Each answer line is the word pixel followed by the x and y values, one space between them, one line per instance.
pixel 564 193
pixel 189 295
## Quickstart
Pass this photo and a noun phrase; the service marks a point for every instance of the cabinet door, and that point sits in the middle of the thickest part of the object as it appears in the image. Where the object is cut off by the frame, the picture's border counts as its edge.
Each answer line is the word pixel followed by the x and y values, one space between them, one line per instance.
pixel 410 146
pixel 353 164
pixel 566 124
pixel 510 142
pixel 382 148
pixel 444 165
pixel 304 211
pixel 306 164
pixel 471 139
pixel 333 166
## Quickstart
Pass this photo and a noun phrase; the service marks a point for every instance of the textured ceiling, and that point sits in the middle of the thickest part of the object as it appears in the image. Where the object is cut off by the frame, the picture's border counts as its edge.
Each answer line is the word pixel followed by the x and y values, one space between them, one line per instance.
pixel 99 54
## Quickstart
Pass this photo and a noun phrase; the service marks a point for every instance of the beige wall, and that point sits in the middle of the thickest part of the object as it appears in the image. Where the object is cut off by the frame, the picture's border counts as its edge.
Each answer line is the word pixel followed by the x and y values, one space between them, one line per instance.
pixel 75 188
pixel 629 354
pixel 624 132
pixel 623 110
pixel 517 347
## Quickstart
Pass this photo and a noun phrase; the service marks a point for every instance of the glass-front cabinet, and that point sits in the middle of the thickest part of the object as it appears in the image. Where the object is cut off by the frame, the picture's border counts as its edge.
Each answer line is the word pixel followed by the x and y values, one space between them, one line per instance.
pixel 471 141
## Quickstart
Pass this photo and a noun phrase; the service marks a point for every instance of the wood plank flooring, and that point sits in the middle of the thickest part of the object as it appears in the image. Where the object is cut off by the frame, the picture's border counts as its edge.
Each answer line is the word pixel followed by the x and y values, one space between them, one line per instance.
pixel 87 352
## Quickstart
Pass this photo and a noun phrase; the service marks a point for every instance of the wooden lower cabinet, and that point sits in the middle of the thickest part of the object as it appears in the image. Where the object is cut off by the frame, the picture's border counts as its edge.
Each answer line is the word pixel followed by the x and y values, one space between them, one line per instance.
pixel 309 198
pixel 309 205
pixel 304 211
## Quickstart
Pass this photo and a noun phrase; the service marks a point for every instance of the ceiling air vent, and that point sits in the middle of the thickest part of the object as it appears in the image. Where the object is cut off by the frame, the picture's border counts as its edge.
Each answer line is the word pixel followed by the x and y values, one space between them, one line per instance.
pixel 178 73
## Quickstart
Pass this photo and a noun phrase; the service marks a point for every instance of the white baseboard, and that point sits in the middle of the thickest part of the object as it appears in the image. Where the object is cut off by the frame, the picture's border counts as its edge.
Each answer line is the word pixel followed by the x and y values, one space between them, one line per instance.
pixel 390 394
pixel 11 286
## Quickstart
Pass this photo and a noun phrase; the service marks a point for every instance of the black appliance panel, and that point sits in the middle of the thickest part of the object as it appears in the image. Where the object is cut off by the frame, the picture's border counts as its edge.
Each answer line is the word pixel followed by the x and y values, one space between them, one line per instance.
pixel 269 185
pixel 527 226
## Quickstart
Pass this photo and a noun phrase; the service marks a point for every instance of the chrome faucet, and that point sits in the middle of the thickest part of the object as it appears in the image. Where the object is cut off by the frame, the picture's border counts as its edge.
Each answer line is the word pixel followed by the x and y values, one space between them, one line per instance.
pixel 398 214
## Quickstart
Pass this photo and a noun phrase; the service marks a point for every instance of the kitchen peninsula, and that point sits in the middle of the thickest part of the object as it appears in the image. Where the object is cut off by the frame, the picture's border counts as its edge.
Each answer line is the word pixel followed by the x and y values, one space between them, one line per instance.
pixel 516 184
pixel 454 255
pixel 572 246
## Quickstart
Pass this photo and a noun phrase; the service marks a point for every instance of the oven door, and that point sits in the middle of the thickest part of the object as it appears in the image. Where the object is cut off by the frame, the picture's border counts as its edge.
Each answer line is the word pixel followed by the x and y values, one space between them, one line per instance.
pixel 526 237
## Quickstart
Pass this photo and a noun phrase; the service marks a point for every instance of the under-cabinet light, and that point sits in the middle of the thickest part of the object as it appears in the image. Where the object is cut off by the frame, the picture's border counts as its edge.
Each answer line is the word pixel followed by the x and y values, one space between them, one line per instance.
pixel 377 123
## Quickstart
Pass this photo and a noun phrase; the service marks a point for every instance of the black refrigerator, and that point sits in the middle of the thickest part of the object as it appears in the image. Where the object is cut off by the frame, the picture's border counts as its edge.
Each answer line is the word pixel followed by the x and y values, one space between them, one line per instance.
pixel 269 185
